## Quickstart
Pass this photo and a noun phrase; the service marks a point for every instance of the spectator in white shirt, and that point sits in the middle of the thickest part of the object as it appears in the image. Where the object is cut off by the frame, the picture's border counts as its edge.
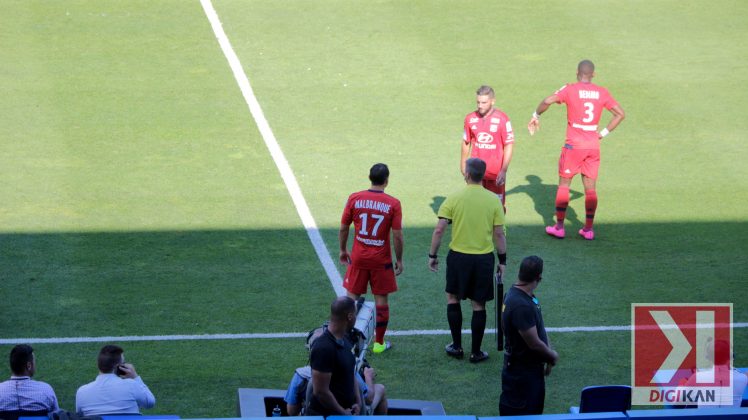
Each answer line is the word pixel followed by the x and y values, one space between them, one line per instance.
pixel 117 390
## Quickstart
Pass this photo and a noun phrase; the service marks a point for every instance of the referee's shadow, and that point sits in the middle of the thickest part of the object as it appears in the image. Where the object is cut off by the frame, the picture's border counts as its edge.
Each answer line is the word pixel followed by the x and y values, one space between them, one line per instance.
pixel 544 199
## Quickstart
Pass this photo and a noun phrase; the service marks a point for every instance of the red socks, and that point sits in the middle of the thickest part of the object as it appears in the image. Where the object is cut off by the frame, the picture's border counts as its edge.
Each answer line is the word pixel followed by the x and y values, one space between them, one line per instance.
pixel 383 318
pixel 590 205
pixel 562 202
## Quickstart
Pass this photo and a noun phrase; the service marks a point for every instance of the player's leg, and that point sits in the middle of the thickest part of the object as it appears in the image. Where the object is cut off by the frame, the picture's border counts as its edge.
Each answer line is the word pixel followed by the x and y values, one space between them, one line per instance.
pixel 455 271
pixel 383 283
pixel 355 281
pixel 562 203
pixel 589 178
pixel 567 168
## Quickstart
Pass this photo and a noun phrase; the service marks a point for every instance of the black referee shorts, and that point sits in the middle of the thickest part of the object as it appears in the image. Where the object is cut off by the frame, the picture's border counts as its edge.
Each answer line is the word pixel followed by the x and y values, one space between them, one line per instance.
pixel 470 276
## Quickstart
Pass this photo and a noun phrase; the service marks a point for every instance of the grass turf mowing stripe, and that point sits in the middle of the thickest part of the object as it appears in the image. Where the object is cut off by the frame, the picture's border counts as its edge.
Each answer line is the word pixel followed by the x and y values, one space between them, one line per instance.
pixel 275 151
pixel 250 336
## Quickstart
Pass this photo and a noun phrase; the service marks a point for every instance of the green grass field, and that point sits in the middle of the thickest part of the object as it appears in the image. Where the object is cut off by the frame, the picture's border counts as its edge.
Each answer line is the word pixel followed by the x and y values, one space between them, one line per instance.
pixel 138 197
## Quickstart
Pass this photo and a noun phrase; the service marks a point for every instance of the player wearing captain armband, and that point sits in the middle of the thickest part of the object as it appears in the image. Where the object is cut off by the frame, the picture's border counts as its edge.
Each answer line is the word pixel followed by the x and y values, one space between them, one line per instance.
pixel 584 102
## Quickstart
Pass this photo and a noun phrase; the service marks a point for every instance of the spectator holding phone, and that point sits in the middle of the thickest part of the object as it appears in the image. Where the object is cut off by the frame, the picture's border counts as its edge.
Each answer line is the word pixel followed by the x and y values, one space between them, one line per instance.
pixel 117 390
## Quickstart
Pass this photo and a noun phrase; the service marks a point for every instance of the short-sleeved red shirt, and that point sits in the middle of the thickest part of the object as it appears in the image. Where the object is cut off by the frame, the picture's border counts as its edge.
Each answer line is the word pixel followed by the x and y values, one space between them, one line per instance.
pixel 584 107
pixel 487 136
pixel 373 214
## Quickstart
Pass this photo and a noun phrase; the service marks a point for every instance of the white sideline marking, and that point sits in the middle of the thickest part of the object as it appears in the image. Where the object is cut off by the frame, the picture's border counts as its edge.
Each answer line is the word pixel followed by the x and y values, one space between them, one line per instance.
pixel 403 333
pixel 275 151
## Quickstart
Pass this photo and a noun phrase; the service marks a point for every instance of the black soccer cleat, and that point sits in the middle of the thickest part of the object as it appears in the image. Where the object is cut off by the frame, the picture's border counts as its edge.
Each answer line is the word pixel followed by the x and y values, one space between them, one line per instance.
pixel 478 357
pixel 453 351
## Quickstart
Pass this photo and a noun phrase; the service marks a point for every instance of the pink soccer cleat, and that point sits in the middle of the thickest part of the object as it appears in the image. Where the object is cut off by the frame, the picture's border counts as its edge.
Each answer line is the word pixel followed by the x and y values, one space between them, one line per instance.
pixel 554 231
pixel 587 234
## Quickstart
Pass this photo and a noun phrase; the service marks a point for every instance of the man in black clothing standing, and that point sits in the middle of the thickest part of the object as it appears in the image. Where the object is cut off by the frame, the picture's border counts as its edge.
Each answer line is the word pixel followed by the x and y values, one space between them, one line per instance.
pixel 335 390
pixel 528 357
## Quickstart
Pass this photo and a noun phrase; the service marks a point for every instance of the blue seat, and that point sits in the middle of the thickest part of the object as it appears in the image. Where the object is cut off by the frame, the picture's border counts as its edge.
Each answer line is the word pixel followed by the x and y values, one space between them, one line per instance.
pixel 604 399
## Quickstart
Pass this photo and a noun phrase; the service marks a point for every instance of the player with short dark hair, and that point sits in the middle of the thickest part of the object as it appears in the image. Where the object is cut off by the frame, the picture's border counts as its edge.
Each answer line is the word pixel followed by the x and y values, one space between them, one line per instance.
pixel 374 214
pixel 585 102
pixel 487 134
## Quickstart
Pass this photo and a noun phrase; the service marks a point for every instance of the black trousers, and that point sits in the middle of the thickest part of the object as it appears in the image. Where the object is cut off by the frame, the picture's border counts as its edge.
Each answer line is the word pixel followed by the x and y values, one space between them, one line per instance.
pixel 522 389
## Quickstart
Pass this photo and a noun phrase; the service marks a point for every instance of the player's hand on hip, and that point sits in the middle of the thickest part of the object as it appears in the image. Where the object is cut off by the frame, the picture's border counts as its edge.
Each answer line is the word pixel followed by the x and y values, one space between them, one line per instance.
pixel 434 264
pixel 548 368
pixel 344 258
pixel 398 268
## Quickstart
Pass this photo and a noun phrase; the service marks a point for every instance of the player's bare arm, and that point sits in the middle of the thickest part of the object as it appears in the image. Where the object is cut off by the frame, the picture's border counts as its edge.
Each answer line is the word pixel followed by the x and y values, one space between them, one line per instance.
pixel 499 241
pixel 534 124
pixel 501 177
pixel 344 257
pixel 464 154
pixel 436 241
pixel 618 116
pixel 397 239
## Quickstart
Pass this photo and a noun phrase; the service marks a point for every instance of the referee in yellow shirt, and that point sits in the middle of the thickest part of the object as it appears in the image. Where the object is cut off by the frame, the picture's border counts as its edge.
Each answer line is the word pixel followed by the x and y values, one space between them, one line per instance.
pixel 477 221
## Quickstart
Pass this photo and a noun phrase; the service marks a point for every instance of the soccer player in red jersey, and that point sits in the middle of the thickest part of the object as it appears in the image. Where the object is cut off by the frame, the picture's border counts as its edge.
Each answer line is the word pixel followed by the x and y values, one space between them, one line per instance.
pixel 373 214
pixel 488 135
pixel 585 102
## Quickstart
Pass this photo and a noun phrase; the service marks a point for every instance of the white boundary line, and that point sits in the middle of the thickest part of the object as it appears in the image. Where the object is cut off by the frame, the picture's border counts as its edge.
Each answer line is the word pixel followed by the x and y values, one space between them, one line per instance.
pixel 275 151
pixel 403 333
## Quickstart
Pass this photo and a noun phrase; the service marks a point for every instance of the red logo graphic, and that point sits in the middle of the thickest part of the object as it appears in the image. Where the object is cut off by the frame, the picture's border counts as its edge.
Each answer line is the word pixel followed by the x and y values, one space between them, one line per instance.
pixel 681 354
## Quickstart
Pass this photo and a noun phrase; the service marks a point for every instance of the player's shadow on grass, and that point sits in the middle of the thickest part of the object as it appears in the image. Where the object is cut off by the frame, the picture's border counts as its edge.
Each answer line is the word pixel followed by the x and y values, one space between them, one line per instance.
pixel 544 199
pixel 436 202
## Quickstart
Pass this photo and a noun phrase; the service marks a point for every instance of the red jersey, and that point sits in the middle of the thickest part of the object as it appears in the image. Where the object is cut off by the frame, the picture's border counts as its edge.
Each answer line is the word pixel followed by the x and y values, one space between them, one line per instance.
pixel 584 107
pixel 373 214
pixel 487 137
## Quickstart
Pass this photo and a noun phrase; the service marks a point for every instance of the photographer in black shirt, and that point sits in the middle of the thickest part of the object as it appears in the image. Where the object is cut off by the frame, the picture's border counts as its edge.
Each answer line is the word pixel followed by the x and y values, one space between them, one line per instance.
pixel 335 390
pixel 528 358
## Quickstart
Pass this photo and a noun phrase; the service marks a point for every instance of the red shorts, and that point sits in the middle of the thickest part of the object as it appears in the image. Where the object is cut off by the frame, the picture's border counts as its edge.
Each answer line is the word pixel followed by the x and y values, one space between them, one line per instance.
pixel 499 190
pixel 574 161
pixel 382 280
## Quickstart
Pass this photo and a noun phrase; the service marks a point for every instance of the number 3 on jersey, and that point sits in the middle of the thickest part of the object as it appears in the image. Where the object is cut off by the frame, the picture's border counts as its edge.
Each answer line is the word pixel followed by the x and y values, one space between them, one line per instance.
pixel 364 222
pixel 589 108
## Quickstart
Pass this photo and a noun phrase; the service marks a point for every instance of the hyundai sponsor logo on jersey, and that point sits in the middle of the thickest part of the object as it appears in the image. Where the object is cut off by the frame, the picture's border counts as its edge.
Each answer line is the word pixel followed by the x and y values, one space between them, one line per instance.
pixel 484 138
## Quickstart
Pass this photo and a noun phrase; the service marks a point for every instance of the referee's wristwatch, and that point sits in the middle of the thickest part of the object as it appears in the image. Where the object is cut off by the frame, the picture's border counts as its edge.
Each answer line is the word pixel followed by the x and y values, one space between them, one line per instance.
pixel 434 256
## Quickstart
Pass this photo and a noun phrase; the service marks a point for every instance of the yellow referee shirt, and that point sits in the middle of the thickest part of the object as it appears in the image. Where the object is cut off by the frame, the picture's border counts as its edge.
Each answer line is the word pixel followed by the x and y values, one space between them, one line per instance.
pixel 474 211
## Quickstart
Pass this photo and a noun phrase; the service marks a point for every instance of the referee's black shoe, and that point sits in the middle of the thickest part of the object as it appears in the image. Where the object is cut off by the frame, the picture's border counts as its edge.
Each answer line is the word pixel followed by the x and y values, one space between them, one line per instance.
pixel 453 351
pixel 478 357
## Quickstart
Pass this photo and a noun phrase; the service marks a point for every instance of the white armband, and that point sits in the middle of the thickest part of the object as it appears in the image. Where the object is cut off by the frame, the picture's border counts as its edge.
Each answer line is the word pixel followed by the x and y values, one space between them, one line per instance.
pixel 536 115
pixel 604 132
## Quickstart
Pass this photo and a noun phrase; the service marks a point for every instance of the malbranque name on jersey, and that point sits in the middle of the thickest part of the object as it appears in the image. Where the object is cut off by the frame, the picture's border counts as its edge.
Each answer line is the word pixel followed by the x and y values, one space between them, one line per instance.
pixel 373 205
pixel 370 242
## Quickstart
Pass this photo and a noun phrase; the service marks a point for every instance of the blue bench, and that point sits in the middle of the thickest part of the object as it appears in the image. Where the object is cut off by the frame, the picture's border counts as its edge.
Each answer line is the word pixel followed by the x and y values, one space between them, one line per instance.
pixel 567 416
pixel 690 414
